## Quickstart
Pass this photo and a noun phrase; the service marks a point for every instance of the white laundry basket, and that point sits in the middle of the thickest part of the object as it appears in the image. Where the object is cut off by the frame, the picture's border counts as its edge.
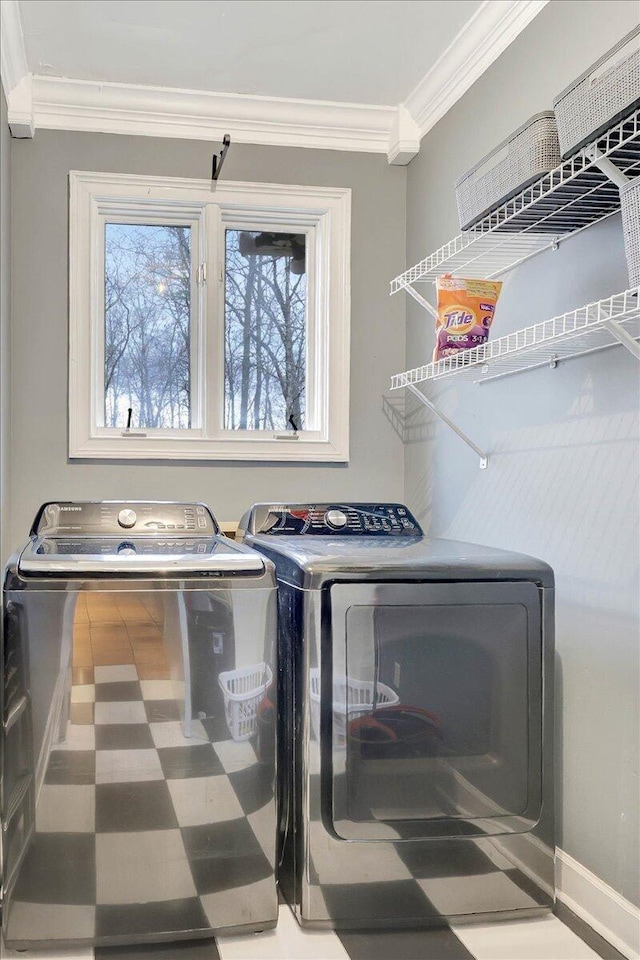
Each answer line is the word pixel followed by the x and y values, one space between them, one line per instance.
pixel 243 690
pixel 353 698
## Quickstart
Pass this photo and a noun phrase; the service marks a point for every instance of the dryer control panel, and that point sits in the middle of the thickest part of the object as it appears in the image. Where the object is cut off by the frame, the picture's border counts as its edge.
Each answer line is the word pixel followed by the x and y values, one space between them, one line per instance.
pixel 327 519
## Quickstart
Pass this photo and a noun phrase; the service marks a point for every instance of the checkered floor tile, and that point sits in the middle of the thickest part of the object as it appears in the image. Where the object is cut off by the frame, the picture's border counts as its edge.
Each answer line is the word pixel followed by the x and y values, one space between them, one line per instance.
pixel 547 938
pixel 132 813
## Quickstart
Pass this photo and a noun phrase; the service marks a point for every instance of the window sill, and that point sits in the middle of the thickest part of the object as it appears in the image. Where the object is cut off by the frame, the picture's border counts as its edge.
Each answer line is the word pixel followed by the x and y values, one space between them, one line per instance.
pixel 244 449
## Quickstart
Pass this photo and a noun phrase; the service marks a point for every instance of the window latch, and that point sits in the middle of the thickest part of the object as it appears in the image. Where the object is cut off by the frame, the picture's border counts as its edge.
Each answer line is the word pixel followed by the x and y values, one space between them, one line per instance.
pixel 128 432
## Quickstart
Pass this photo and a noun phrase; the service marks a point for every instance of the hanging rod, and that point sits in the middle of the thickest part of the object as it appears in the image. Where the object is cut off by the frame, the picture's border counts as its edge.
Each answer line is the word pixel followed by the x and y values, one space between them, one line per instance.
pixel 216 163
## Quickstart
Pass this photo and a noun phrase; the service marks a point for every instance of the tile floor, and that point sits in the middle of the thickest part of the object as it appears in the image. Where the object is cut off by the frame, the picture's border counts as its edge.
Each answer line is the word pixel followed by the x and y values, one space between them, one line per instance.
pixel 125 739
pixel 547 938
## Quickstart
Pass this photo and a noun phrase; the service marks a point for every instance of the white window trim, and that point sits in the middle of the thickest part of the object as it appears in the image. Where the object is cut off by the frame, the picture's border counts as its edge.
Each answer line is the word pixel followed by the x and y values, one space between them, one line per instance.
pixel 326 209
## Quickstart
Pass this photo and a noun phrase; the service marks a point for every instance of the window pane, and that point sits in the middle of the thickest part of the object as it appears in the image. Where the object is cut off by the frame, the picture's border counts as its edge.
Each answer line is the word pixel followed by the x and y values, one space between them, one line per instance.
pixel 147 325
pixel 265 331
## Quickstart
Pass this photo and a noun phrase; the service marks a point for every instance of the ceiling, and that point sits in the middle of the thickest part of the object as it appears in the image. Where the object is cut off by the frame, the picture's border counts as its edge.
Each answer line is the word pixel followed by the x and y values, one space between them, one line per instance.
pixel 358 51
pixel 366 75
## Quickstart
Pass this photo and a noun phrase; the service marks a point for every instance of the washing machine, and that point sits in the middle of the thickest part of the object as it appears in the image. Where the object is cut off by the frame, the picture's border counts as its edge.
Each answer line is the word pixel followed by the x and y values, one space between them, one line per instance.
pixel 416 725
pixel 138 703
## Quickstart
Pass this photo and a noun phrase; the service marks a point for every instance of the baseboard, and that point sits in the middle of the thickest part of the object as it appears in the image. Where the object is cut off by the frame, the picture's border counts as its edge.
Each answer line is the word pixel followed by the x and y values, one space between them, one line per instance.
pixel 608 913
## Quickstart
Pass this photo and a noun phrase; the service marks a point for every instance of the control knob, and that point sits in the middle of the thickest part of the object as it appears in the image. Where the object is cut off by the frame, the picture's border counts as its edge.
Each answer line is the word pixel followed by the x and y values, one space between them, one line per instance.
pixel 336 519
pixel 127 518
pixel 126 547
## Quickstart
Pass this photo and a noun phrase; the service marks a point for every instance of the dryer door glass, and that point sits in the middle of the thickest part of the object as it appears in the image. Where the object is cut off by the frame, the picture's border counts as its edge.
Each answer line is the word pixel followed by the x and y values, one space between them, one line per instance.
pixel 436 709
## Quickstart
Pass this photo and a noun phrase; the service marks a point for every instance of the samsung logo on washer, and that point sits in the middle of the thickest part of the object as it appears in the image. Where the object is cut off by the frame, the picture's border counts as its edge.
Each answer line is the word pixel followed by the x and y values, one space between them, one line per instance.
pixel 69 509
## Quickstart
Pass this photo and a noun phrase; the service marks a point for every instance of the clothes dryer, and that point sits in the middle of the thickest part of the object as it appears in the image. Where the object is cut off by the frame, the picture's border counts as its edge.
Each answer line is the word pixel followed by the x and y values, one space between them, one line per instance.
pixel 416 692
pixel 138 707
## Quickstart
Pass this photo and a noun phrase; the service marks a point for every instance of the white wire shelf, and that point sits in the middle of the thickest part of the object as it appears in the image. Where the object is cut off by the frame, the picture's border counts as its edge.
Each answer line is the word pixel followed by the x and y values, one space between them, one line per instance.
pixel 596 326
pixel 573 196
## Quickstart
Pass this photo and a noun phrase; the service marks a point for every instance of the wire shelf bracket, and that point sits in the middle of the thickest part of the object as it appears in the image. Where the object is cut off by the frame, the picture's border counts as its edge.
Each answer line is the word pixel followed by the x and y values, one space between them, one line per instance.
pixel 622 336
pixel 484 459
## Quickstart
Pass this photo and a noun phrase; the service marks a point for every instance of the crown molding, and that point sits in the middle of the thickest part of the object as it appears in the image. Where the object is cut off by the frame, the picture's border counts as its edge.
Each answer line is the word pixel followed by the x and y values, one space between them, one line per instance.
pixel 14 71
pixel 58 103
pixel 13 58
pixel 20 109
pixel 483 38
pixel 63 104
pixel 404 139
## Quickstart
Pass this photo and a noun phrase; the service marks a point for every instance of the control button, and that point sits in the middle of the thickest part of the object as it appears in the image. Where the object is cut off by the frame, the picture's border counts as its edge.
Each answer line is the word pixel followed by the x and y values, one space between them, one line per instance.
pixel 202 521
pixel 126 547
pixel 171 526
pixel 200 510
pixel 127 518
pixel 336 519
pixel 202 547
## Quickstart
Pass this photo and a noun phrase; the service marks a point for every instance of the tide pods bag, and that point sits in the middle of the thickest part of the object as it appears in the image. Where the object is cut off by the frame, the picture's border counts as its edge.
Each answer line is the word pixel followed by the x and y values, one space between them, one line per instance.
pixel 465 313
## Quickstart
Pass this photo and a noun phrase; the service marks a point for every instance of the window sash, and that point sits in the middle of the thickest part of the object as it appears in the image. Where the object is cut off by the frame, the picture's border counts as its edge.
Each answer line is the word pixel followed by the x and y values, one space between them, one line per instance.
pixel 196 360
pixel 315 355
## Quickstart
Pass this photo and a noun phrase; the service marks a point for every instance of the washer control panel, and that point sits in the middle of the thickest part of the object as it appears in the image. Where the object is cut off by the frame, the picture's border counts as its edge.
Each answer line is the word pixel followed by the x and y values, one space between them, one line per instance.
pixel 110 546
pixel 111 518
pixel 327 519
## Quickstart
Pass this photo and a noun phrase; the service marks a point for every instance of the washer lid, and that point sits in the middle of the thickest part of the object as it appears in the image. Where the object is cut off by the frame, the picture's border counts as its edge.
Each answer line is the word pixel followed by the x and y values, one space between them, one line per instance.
pixel 122 557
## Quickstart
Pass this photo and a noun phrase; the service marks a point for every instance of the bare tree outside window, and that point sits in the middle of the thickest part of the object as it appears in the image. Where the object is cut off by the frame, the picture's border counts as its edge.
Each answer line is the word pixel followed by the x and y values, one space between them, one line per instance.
pixel 265 330
pixel 147 325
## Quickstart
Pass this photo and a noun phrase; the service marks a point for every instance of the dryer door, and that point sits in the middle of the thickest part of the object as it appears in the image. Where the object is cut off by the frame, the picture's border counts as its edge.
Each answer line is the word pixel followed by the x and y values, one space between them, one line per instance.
pixel 434 727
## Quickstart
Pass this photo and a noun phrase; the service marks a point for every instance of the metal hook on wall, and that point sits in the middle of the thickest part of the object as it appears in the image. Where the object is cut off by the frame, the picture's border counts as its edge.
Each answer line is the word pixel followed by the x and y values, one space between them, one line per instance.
pixel 216 165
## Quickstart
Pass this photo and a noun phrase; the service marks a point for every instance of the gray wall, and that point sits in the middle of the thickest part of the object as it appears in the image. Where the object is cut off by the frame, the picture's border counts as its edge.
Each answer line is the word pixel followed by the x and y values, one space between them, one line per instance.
pixel 5 324
pixel 562 478
pixel 40 467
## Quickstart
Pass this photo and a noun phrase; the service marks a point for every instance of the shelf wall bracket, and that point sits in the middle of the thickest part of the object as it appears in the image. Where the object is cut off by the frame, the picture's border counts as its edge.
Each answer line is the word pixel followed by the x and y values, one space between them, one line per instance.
pixel 484 459
pixel 607 167
pixel 421 300
pixel 623 337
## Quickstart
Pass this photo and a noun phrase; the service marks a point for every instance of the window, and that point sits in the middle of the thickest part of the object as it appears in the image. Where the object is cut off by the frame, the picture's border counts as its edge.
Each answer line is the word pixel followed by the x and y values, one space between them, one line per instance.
pixel 208 323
